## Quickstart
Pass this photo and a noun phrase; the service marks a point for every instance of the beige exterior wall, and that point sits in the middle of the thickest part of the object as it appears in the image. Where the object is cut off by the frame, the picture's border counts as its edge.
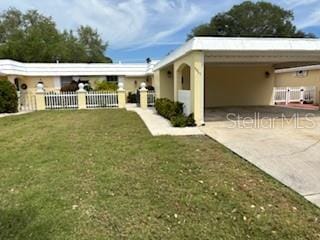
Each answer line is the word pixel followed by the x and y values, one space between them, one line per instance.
pixel 131 84
pixel 163 83
pixel 238 85
pixel 156 83
pixel 290 79
pixel 195 60
pixel 166 83
pixel 93 80
pixel 32 82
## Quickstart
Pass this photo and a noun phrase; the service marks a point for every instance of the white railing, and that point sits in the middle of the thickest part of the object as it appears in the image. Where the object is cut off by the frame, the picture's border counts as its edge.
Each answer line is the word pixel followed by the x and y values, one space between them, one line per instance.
pixel 60 100
pixel 151 98
pixel 101 99
pixel 294 94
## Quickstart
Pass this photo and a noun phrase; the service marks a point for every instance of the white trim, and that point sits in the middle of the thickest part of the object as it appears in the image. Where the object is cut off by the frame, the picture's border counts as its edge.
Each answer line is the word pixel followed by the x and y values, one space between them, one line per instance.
pixel 295 69
pixel 10 67
pixel 263 46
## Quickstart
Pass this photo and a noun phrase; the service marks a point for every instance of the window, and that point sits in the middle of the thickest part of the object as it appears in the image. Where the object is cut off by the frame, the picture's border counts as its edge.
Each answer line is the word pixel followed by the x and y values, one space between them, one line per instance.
pixel 65 80
pixel 112 79
pixel 301 73
pixel 17 83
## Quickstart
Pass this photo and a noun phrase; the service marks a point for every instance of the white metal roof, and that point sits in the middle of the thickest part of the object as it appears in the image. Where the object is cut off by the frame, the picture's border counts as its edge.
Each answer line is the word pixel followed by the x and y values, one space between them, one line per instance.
pixel 294 49
pixel 244 45
pixel 9 67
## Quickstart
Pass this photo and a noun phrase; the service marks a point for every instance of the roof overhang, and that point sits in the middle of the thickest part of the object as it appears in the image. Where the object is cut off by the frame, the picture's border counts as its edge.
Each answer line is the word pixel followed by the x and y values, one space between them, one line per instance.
pixel 275 51
pixel 300 68
pixel 9 67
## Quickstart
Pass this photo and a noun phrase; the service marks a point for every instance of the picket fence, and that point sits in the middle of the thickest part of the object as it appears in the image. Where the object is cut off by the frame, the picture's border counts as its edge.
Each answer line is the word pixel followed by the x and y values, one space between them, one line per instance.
pixel 61 100
pixel 151 98
pixel 101 99
pixel 69 100
pixel 294 94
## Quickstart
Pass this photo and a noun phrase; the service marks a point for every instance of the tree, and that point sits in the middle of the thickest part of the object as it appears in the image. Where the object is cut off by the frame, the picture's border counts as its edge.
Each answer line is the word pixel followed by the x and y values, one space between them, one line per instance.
pixel 249 19
pixel 93 44
pixel 32 37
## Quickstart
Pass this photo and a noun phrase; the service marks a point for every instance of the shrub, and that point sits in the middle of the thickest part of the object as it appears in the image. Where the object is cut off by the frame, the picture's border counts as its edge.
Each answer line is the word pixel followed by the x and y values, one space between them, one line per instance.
pixel 87 87
pixel 105 86
pixel 8 97
pixel 71 87
pixel 132 97
pixel 168 108
pixel 174 112
pixel 182 121
pixel 179 120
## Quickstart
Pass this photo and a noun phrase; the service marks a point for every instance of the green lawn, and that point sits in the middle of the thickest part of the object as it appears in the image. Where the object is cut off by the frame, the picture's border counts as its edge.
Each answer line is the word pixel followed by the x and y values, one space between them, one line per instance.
pixel 100 175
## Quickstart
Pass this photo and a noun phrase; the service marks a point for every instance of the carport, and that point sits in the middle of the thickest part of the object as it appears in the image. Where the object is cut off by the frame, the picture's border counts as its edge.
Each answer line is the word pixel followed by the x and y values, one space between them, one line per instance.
pixel 208 72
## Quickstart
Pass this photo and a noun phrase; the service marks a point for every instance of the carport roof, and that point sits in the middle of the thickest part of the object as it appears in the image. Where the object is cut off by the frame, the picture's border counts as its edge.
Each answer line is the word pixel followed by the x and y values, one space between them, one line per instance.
pixel 227 45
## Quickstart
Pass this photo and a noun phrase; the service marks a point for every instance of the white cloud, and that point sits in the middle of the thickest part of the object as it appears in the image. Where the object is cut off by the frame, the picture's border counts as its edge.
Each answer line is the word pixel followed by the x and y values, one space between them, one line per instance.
pixel 124 23
pixel 298 3
pixel 305 11
pixel 132 24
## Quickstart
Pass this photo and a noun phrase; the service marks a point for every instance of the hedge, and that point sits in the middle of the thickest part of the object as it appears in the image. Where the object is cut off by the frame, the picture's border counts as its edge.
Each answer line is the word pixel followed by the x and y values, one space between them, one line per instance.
pixel 8 97
pixel 174 112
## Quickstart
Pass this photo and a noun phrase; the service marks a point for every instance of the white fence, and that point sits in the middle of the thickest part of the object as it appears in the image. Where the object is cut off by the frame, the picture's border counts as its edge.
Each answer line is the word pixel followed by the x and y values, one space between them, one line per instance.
pixel 101 99
pixel 294 94
pixel 60 100
pixel 151 98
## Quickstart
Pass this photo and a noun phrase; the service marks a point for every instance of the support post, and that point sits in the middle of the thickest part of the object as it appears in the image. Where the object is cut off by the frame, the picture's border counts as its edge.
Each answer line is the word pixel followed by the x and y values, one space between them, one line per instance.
pixel 121 96
pixel 82 104
pixel 40 101
pixel 143 96
pixel 302 95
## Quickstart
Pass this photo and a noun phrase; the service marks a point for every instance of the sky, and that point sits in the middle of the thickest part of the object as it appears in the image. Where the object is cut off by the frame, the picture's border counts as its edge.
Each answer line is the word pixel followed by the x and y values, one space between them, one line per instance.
pixel 138 29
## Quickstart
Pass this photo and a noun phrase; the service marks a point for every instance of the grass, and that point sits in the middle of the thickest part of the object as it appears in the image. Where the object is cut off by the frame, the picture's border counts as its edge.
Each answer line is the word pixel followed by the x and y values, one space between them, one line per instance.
pixel 101 175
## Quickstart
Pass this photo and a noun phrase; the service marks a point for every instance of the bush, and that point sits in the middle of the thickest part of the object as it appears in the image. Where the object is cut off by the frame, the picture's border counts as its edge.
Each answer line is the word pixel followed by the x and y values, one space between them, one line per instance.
pixel 105 86
pixel 182 121
pixel 174 112
pixel 88 88
pixel 71 87
pixel 132 97
pixel 8 97
pixel 168 108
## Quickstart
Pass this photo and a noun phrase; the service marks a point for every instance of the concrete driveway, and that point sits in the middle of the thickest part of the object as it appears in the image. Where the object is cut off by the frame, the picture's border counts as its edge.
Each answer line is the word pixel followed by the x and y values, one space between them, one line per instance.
pixel 285 143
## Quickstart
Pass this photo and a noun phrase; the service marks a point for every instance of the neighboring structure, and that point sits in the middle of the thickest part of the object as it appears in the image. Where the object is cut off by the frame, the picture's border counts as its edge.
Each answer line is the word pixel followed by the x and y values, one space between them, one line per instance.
pixel 204 72
pixel 306 76
pixel 55 75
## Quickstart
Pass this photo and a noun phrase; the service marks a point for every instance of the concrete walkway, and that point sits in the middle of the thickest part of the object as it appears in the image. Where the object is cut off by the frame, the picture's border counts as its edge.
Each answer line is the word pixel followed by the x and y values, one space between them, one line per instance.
pixel 158 125
pixel 13 114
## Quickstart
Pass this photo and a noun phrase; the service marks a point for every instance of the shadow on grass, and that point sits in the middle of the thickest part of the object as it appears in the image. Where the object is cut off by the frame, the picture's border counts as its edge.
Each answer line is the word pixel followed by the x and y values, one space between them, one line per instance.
pixel 19 224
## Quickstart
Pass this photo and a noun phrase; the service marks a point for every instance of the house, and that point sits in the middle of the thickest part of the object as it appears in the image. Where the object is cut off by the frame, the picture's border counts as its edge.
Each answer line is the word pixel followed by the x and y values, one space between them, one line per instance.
pixel 209 72
pixel 203 73
pixel 305 76
pixel 55 75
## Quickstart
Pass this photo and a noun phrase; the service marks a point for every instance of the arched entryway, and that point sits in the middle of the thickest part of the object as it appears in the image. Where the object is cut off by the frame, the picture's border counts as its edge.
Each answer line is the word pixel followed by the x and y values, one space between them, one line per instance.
pixel 183 89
